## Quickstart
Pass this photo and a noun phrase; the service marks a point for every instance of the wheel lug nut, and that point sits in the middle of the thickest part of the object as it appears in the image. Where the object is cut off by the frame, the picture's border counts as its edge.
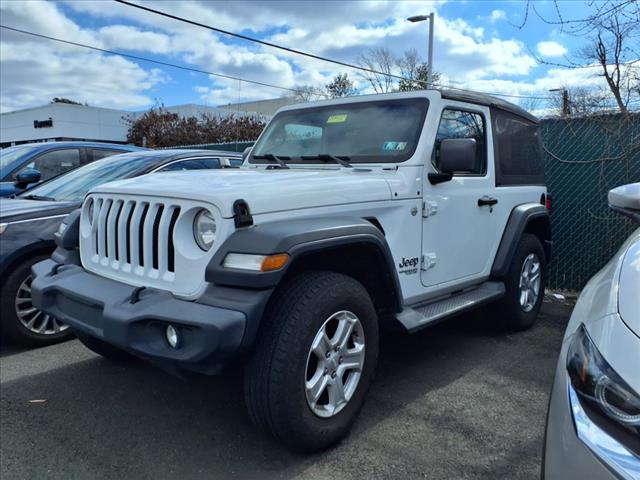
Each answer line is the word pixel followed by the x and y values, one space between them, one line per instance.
pixel 326 371
pixel 333 374
pixel 340 360
pixel 328 354
pixel 336 349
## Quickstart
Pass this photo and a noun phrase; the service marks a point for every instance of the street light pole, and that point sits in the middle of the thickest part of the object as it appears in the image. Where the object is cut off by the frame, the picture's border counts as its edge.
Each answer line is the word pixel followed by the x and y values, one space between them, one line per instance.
pixel 420 18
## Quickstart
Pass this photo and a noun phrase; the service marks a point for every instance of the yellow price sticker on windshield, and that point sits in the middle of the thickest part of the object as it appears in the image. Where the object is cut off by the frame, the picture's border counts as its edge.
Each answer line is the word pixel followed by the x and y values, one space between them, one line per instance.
pixel 337 118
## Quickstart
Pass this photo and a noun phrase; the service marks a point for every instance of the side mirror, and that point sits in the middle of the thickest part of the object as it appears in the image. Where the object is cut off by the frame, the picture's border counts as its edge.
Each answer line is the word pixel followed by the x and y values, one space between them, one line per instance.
pixel 245 153
pixel 456 155
pixel 626 200
pixel 26 177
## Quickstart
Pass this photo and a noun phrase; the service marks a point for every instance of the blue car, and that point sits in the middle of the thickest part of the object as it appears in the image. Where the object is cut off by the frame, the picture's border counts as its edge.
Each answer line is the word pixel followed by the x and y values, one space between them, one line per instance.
pixel 24 166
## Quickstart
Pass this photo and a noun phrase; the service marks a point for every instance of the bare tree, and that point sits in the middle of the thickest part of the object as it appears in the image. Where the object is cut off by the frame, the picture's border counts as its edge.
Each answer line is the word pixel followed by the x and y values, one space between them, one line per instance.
pixel 414 71
pixel 611 32
pixel 307 93
pixel 581 101
pixel 381 60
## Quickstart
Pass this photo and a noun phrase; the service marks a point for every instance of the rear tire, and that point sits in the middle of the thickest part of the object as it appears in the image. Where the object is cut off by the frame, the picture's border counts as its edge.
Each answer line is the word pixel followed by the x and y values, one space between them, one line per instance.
pixel 283 371
pixel 20 322
pixel 104 349
pixel 524 284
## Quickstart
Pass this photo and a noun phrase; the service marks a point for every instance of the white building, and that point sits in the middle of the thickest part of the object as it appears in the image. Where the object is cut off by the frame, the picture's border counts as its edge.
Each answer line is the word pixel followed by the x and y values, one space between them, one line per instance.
pixel 64 121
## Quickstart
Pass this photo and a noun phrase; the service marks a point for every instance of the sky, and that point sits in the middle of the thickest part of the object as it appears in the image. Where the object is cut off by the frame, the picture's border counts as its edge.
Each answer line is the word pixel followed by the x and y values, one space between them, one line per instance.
pixel 477 46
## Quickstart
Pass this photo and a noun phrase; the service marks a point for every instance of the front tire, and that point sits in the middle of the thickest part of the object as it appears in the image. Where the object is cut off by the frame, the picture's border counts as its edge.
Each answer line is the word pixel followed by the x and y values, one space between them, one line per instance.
pixel 524 283
pixel 22 323
pixel 314 361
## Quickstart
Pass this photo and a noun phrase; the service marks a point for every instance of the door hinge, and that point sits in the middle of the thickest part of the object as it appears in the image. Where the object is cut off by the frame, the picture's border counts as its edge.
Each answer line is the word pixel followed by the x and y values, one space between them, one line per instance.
pixel 429 208
pixel 428 261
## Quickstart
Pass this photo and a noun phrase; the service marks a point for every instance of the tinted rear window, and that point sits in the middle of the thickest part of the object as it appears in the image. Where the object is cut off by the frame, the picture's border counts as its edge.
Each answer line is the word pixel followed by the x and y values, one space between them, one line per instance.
pixel 518 150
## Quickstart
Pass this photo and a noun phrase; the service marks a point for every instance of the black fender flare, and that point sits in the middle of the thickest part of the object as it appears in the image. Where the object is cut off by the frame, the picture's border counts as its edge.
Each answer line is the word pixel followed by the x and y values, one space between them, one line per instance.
pixel 520 219
pixel 297 237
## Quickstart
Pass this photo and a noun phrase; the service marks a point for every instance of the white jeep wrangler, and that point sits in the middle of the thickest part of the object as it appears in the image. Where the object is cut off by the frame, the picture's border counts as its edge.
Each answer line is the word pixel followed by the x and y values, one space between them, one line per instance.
pixel 347 214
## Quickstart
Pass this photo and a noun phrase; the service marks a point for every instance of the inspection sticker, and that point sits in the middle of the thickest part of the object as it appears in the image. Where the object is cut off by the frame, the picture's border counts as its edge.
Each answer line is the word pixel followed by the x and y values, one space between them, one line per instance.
pixel 394 146
pixel 337 118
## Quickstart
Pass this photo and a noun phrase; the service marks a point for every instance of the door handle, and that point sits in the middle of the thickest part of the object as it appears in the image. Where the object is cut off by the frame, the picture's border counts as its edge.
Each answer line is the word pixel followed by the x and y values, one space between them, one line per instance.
pixel 486 200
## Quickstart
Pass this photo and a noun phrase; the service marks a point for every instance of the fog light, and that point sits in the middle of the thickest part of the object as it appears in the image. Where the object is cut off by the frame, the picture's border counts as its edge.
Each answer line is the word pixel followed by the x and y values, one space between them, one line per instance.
pixel 173 337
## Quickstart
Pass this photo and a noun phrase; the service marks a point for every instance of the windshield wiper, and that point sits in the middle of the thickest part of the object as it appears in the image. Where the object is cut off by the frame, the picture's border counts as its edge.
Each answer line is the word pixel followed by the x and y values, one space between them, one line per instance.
pixel 342 160
pixel 39 197
pixel 273 158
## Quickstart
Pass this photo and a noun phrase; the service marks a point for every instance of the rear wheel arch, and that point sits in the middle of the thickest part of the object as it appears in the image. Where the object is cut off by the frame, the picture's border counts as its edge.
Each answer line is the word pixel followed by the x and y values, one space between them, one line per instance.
pixel 529 218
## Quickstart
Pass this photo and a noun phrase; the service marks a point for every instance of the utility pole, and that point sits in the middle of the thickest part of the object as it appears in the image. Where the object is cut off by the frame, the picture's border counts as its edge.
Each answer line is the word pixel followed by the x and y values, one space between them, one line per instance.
pixel 421 18
pixel 566 106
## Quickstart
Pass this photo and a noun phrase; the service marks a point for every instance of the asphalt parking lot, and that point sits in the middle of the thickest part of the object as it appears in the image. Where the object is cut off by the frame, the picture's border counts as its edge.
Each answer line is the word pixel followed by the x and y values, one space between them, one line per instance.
pixel 457 401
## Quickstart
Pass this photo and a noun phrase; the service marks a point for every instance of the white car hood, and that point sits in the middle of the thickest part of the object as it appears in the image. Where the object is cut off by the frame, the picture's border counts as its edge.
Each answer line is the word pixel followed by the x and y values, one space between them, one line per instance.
pixel 264 190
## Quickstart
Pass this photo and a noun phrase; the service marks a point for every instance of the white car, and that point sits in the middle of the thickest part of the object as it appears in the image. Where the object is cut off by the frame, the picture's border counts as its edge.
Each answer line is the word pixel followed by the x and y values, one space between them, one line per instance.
pixel 405 208
pixel 593 424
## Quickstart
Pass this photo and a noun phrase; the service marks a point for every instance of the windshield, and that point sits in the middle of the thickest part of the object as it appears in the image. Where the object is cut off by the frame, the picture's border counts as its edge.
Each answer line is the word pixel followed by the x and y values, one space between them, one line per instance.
pixel 74 185
pixel 11 154
pixel 371 132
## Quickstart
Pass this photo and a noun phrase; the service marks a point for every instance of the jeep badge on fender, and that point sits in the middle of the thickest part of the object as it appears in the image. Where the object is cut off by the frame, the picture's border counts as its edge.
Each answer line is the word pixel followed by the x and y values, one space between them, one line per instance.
pixel 288 263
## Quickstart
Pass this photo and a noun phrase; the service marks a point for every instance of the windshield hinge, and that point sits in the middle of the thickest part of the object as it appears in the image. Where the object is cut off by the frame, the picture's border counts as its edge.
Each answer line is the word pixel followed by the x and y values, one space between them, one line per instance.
pixel 429 208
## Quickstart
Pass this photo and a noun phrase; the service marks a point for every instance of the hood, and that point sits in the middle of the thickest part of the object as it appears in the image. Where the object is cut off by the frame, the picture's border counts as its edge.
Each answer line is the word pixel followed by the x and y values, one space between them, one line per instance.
pixel 629 288
pixel 13 209
pixel 264 190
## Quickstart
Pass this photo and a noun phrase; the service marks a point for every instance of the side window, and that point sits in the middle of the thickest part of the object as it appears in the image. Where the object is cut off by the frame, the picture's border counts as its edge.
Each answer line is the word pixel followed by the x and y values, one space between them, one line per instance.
pixel 463 124
pixel 236 162
pixel 192 164
pixel 519 147
pixel 54 163
pixel 99 153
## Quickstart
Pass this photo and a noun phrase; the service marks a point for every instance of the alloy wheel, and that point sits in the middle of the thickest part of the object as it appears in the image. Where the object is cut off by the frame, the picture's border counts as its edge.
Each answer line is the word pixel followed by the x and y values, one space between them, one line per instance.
pixel 30 317
pixel 334 364
pixel 530 282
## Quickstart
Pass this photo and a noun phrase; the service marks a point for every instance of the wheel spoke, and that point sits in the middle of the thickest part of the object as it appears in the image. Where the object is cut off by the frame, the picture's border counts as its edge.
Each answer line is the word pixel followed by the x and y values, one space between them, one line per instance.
pixel 336 393
pixel 21 300
pixel 31 322
pixel 343 332
pixel 28 311
pixel 321 344
pixel 353 359
pixel 316 386
pixel 25 288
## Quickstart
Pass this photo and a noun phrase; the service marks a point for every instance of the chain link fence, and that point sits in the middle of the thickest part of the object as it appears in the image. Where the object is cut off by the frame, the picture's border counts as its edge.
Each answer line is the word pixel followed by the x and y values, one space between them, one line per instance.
pixel 585 157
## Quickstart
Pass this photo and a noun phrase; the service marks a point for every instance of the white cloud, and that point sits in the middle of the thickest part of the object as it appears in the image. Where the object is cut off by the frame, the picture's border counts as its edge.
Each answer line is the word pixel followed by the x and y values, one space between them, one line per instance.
pixel 497 15
pixel 551 49
pixel 464 52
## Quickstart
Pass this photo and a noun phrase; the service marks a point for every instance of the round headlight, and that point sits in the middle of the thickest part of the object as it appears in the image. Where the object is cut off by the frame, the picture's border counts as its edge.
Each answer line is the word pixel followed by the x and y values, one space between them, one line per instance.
pixel 204 229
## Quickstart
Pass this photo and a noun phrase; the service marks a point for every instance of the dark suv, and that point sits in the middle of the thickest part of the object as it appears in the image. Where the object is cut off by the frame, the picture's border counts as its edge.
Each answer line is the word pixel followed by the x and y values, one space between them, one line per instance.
pixel 25 165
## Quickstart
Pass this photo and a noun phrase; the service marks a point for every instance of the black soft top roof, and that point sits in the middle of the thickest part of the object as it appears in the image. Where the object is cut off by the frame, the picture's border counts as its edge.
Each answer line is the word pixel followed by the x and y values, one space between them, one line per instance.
pixel 487 100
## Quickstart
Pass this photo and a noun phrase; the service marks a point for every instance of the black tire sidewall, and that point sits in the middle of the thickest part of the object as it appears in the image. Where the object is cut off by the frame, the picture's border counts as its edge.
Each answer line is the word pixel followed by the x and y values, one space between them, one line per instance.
pixel 10 326
pixel 329 427
pixel 292 420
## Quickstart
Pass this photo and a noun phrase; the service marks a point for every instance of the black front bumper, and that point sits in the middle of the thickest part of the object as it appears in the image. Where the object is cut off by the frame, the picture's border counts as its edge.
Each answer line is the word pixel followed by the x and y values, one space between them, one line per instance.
pixel 102 308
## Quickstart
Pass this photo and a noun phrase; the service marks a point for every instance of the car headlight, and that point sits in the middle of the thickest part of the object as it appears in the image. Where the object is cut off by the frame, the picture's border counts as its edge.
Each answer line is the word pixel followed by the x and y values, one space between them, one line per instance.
pixel 204 229
pixel 606 398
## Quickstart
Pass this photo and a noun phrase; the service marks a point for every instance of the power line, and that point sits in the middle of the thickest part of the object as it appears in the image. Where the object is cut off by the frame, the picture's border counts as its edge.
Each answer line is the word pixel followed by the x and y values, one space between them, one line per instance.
pixel 306 54
pixel 262 42
pixel 144 59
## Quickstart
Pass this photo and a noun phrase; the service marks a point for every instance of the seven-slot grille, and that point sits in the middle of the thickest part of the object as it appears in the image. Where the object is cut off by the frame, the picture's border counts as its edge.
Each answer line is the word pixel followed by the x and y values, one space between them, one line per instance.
pixel 134 236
